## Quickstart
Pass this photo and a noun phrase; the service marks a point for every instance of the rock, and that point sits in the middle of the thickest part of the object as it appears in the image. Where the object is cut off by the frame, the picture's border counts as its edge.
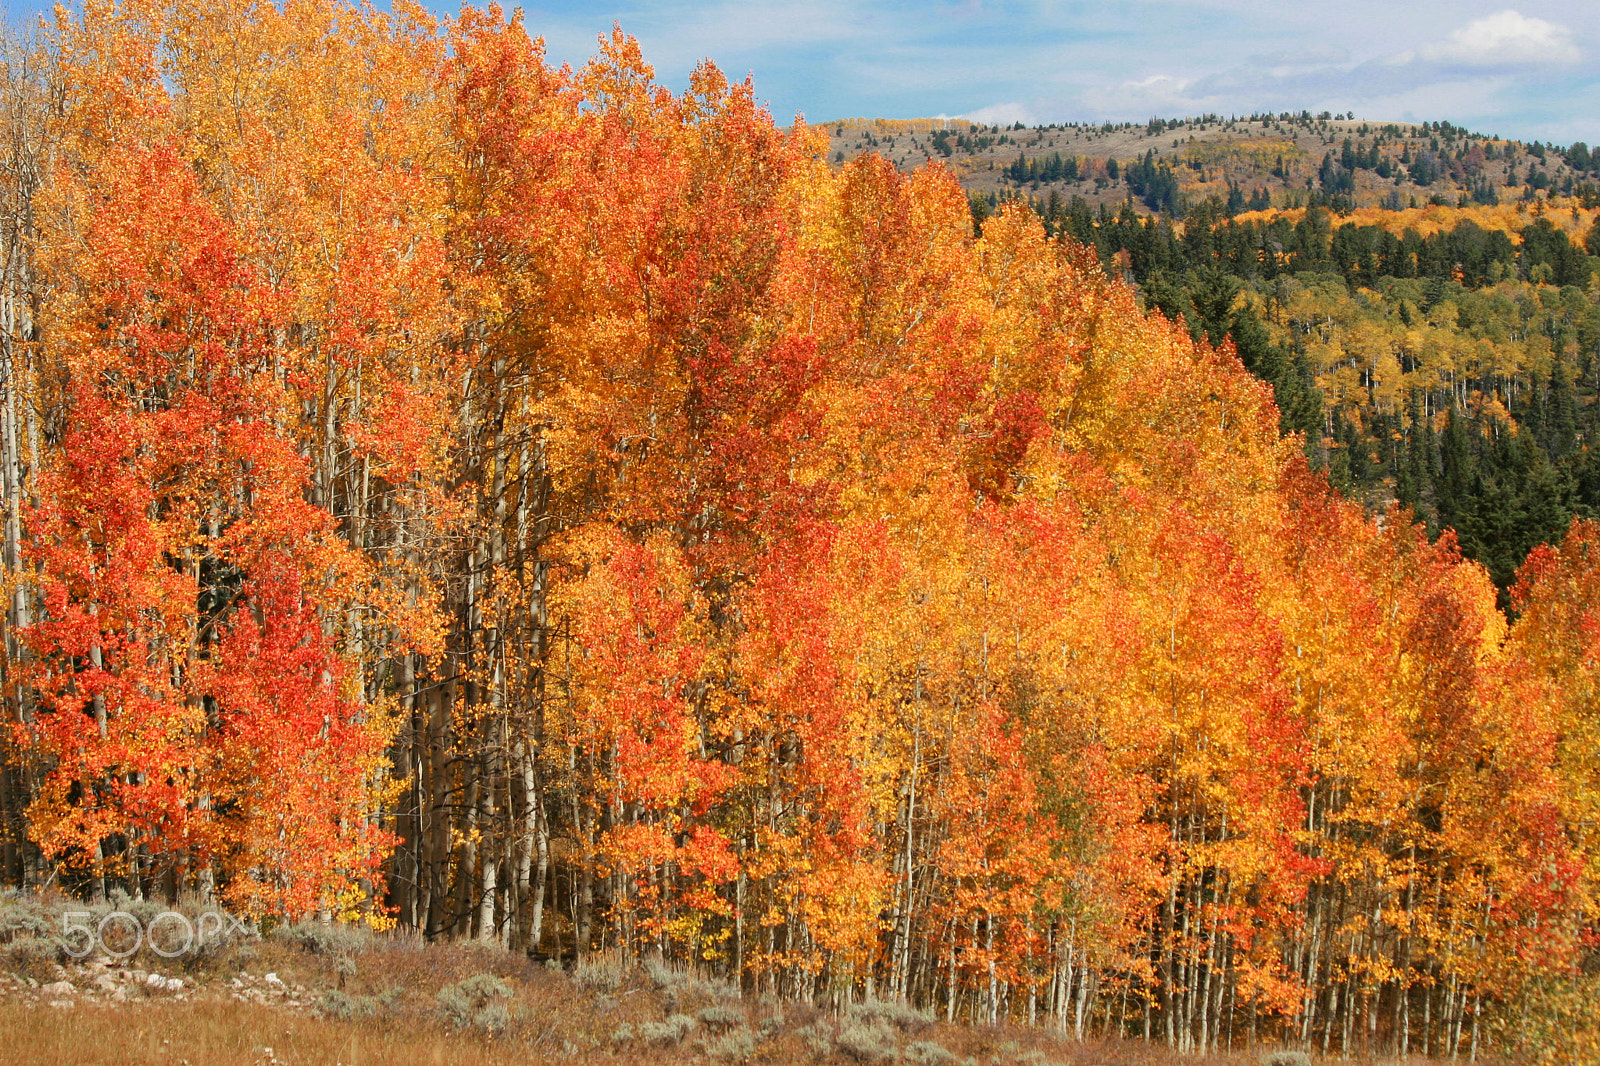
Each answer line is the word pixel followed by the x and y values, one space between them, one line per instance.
pixel 155 982
pixel 61 1004
pixel 174 984
pixel 57 988
pixel 137 976
pixel 106 983
pixel 274 980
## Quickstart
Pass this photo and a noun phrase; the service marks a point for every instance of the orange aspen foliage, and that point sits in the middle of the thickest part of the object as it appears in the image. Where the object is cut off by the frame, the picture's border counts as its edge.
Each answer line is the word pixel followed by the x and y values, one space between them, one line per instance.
pixel 547 508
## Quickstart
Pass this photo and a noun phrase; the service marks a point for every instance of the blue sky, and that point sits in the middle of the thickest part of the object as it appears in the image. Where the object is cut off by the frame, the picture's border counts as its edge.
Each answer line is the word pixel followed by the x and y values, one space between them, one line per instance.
pixel 1530 71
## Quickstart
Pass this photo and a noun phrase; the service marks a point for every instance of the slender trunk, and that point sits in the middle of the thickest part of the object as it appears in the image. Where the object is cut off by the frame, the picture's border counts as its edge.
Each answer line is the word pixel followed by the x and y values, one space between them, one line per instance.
pixel 583 916
pixel 441 917
pixel 484 923
pixel 463 910
pixel 403 867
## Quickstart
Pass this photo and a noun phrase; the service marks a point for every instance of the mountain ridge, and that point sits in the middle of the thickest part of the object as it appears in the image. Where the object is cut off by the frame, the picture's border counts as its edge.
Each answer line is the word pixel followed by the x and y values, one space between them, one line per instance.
pixel 1294 159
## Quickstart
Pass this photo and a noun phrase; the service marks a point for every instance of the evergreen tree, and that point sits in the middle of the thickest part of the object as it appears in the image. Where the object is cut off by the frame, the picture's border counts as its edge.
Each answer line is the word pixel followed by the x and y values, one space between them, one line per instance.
pixel 1213 294
pixel 1170 298
pixel 1561 425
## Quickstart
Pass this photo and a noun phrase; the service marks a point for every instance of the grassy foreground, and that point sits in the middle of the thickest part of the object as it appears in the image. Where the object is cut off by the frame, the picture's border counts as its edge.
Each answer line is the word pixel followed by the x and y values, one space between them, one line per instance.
pixel 313 994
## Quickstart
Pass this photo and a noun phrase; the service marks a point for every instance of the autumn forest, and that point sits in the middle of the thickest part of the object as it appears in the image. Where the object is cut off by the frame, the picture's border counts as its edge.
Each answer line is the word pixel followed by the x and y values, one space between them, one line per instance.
pixel 526 504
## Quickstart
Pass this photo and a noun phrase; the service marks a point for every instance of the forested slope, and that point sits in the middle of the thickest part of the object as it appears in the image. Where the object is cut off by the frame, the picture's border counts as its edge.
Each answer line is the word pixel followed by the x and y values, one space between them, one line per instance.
pixel 1391 280
pixel 1454 373
pixel 524 504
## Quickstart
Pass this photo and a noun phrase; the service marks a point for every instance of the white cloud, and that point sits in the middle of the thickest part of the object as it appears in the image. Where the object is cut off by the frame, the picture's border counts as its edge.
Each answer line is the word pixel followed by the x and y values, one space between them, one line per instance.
pixel 755 24
pixel 1284 64
pixel 1160 94
pixel 1479 96
pixel 1003 115
pixel 1503 39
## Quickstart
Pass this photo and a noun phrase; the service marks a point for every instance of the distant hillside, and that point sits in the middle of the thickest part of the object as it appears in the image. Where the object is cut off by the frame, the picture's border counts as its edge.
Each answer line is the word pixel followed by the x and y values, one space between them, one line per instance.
pixel 1284 160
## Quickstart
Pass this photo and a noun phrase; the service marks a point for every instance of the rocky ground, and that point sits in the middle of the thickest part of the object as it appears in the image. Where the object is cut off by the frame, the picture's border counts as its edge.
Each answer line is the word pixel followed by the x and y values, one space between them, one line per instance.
pixel 104 981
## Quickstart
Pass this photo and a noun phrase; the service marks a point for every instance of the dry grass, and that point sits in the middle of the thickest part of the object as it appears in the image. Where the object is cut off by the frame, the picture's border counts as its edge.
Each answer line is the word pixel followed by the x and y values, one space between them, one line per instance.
pixel 220 1033
pixel 349 998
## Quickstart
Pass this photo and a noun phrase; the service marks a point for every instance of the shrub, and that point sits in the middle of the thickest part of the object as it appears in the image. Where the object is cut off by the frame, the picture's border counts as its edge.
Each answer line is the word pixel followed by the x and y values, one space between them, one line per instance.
pixel 325 938
pixel 28 917
pixel 198 936
pixel 144 908
pixel 721 1016
pixel 681 985
pixel 661 974
pixel 493 1017
pixel 29 944
pixel 336 1004
pixel 667 1033
pixel 32 957
pixel 892 1012
pixel 733 1045
pixel 599 975
pixel 927 1053
pixel 1285 1058
pixel 817 1039
pixel 622 1034
pixel 485 986
pixel 23 916
pixel 474 1002
pixel 866 1041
